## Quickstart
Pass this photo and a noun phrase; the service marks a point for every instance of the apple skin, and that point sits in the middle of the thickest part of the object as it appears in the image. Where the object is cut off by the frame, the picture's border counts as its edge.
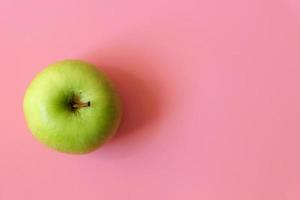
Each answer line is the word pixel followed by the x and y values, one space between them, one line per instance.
pixel 72 107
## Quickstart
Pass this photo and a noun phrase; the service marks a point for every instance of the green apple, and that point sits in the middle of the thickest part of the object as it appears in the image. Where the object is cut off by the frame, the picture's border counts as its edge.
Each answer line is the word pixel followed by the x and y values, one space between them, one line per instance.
pixel 72 107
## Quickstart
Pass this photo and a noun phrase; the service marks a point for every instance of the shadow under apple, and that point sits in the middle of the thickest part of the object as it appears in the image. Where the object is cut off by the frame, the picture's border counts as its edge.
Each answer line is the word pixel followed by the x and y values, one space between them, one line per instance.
pixel 139 101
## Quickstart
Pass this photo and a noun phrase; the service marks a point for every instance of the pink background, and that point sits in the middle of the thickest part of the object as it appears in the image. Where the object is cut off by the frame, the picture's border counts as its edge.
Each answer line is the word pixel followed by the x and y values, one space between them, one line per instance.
pixel 210 89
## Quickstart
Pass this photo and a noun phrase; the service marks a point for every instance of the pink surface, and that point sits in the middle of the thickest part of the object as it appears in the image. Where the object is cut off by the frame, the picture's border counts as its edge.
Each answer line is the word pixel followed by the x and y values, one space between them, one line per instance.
pixel 210 88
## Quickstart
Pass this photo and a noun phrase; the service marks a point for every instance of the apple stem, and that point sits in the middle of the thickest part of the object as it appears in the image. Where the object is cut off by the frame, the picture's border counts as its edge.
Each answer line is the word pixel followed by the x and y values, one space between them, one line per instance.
pixel 80 105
